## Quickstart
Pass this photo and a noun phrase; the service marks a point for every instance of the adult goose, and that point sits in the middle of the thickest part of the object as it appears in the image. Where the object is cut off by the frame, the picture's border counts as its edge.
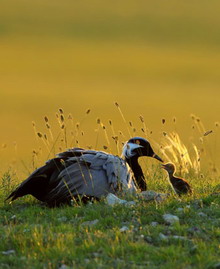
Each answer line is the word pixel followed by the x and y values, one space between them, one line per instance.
pixel 79 173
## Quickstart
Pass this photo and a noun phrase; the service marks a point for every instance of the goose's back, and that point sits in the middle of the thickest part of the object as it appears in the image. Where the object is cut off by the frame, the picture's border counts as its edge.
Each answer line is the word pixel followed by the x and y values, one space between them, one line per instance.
pixel 90 173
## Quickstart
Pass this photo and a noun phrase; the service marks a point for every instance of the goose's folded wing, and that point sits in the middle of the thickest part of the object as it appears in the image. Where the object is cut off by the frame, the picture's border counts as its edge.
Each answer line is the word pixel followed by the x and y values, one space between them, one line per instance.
pixel 92 174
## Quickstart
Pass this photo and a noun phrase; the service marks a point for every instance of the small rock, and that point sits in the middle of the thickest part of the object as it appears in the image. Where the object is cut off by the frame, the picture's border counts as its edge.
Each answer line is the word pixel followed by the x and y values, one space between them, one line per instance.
pixel 130 203
pixel 148 239
pixel 216 266
pixel 124 229
pixel 96 254
pixel 161 197
pixel 8 252
pixel 62 219
pixel 193 230
pixel 179 237
pixel 170 219
pixel 90 223
pixel 113 199
pixel 63 266
pixel 201 214
pixel 154 223
pixel 152 195
pixel 163 237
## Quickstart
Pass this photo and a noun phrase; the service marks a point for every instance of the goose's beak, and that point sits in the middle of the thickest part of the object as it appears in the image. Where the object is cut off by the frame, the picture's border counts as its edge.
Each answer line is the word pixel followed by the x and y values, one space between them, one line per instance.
pixel 155 156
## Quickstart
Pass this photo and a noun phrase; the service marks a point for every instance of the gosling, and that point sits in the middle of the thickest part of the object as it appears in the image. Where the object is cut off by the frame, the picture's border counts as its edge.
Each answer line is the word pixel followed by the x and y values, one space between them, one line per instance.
pixel 180 185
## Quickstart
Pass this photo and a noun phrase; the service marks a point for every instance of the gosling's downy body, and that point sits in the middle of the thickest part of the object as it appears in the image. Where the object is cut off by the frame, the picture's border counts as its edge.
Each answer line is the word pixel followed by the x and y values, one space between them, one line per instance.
pixel 180 185
pixel 81 174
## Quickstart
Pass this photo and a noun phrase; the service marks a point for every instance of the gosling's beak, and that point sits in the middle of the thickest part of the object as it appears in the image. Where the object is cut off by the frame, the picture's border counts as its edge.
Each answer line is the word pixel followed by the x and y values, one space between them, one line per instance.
pixel 157 157
pixel 163 166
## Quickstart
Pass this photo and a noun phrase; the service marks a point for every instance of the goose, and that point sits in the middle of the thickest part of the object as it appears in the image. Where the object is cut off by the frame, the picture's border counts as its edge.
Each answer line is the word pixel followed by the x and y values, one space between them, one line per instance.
pixel 180 185
pixel 80 173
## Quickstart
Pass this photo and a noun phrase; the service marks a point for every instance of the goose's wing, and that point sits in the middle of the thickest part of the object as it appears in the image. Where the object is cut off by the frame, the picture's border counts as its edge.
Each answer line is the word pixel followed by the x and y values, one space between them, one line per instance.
pixel 90 173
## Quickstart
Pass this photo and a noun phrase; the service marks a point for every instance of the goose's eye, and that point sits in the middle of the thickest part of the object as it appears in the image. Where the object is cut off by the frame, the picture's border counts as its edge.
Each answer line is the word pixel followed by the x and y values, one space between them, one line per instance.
pixel 138 142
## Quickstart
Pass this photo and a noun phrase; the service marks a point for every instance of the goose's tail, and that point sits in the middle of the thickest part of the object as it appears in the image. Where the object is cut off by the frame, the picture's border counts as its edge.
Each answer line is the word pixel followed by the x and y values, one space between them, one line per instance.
pixel 39 182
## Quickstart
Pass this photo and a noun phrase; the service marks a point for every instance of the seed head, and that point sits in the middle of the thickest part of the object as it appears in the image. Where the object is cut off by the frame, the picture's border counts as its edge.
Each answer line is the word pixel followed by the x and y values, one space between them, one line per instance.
pixel 115 138
pixel 39 134
pixel 48 125
pixel 208 132
pixel 46 118
pixel 61 110
pixel 117 105
pixel 62 118
pixel 141 118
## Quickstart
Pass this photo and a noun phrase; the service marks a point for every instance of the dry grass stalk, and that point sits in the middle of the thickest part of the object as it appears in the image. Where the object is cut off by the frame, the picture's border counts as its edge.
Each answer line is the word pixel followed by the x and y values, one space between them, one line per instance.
pixel 119 109
pixel 175 151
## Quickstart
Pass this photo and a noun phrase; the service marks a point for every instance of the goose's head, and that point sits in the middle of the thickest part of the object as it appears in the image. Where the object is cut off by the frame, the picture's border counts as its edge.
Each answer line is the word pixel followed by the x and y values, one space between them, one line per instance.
pixel 138 146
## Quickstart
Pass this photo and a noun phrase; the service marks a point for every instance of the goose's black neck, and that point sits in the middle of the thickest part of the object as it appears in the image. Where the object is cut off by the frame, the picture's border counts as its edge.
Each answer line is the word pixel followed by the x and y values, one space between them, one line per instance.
pixel 138 173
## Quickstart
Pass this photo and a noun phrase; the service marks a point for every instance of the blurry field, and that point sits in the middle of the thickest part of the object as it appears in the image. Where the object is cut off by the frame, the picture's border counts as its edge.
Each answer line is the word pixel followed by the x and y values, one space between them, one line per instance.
pixel 158 59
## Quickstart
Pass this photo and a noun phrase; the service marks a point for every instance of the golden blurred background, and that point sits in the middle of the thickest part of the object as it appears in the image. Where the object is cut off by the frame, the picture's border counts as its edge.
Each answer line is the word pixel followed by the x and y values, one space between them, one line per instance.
pixel 159 59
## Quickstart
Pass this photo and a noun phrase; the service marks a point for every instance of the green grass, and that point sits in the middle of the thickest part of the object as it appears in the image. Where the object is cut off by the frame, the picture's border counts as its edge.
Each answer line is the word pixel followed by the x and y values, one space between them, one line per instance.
pixel 44 237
